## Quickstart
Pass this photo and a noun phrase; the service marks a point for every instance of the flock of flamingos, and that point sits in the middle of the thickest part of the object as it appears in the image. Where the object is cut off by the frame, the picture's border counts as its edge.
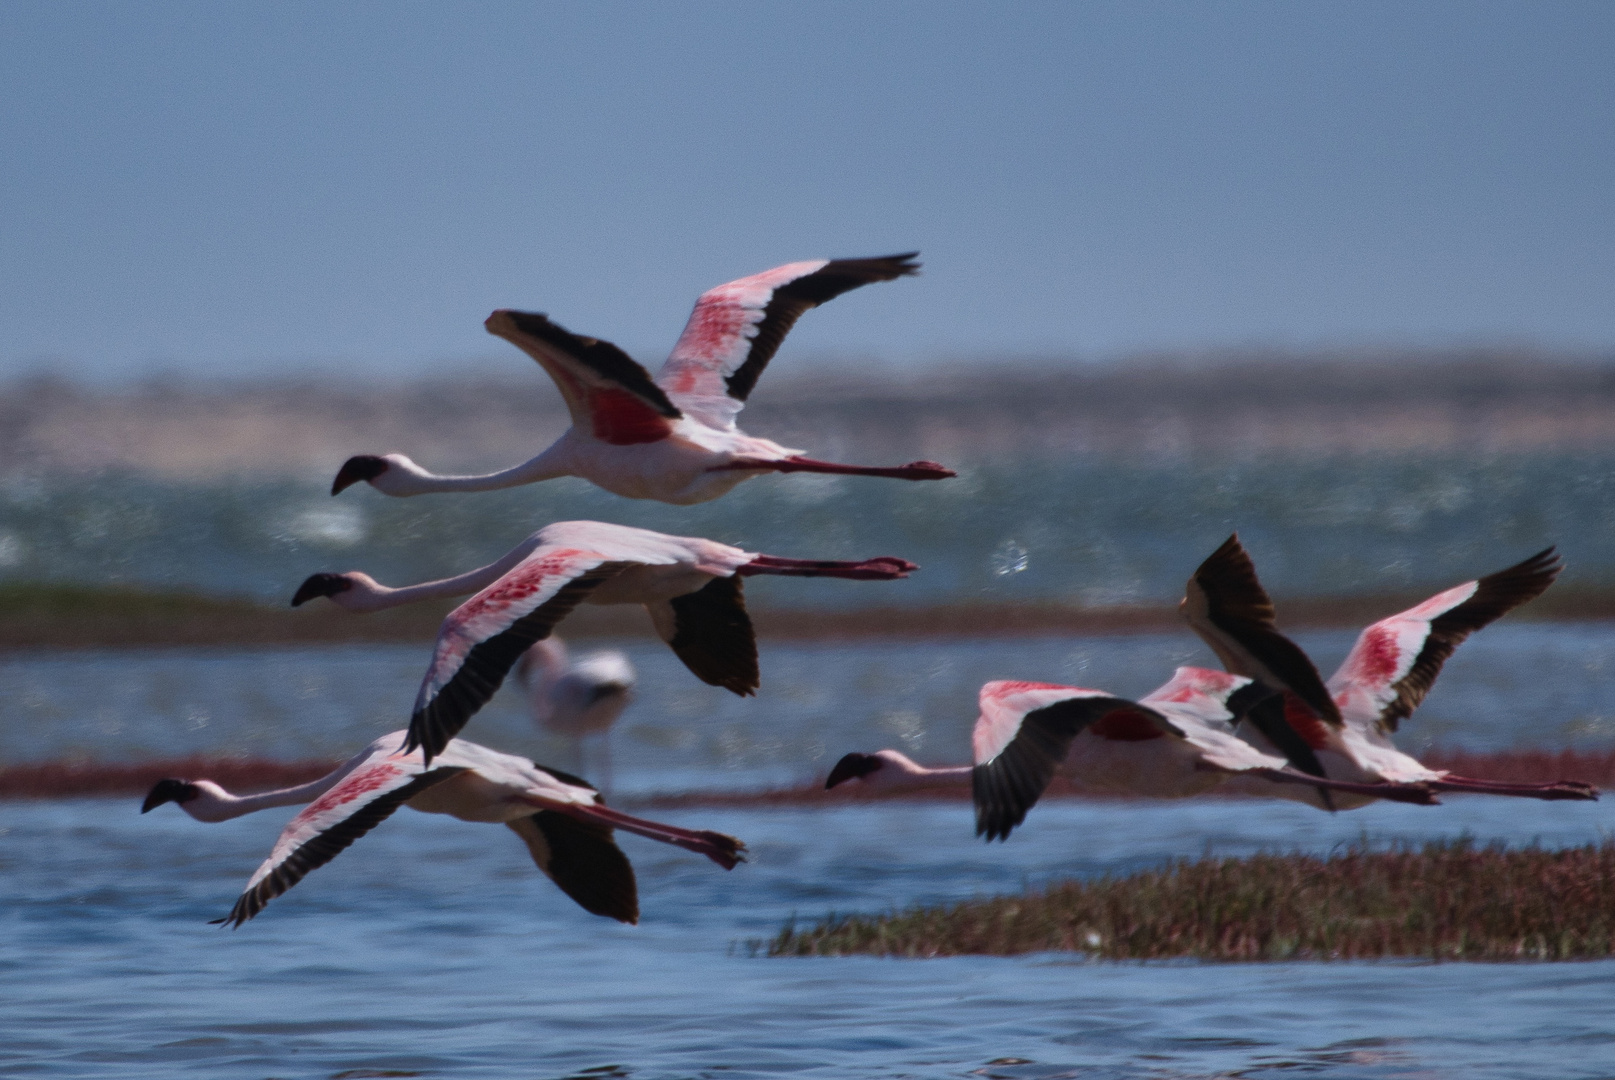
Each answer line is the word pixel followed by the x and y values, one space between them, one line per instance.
pixel 1269 723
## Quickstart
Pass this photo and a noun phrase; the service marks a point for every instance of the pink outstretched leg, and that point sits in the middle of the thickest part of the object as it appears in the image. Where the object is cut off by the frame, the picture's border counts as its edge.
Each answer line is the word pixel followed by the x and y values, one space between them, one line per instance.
pixel 914 470
pixel 724 850
pixel 885 568
pixel 1419 794
pixel 1561 789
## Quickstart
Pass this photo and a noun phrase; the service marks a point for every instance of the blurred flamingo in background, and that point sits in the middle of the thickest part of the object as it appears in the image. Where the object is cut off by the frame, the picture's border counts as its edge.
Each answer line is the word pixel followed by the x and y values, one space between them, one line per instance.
pixel 672 438
pixel 577 700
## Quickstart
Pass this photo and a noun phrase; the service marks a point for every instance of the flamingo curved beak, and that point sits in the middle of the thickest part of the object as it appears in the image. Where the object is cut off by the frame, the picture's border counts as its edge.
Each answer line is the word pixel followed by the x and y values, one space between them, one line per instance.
pixel 851 767
pixel 357 468
pixel 169 790
pixel 321 584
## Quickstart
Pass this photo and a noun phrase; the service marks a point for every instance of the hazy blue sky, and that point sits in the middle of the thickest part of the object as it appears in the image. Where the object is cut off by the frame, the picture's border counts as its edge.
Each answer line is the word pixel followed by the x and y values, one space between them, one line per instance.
pixel 253 187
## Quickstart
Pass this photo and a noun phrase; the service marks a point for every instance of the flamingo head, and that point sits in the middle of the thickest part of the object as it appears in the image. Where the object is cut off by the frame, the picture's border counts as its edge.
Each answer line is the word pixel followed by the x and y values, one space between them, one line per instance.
pixel 360 467
pixel 322 584
pixel 854 767
pixel 169 790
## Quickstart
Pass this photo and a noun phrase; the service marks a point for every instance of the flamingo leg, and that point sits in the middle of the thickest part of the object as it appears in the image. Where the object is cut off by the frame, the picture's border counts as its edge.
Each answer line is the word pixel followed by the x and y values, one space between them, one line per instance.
pixel 914 470
pixel 884 568
pixel 1561 789
pixel 726 851
pixel 1419 794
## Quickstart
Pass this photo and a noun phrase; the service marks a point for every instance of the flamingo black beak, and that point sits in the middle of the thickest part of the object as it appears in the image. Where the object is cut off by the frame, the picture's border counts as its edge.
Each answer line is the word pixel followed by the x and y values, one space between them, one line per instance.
pixel 176 791
pixel 355 469
pixel 321 584
pixel 851 767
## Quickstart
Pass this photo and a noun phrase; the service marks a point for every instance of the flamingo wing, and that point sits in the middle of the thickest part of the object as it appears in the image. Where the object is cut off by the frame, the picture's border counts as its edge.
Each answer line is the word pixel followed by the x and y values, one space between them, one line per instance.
pixel 325 828
pixel 584 861
pixel 737 327
pixel 711 632
pixel 607 392
pixel 1226 605
pixel 1396 660
pixel 1204 705
pixel 482 639
pixel 1024 734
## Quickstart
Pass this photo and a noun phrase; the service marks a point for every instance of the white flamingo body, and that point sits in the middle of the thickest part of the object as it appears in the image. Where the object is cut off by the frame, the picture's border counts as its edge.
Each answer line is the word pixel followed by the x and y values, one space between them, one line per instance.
pixel 689 585
pixel 1177 741
pixel 673 438
pixel 467 781
pixel 576 697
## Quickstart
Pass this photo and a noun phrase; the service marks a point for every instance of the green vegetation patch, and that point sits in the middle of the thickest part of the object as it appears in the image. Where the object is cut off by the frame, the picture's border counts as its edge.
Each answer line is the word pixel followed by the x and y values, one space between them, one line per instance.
pixel 1444 901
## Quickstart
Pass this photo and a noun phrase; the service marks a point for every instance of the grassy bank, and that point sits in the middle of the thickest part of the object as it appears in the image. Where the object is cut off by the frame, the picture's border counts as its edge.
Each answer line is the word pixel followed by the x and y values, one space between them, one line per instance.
pixel 36 615
pixel 1445 901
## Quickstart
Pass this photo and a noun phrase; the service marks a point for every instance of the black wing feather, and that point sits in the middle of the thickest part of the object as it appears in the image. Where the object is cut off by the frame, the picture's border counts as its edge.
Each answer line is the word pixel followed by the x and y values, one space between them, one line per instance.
pixel 1009 785
pixel 586 864
pixel 806 292
pixel 486 665
pixel 601 357
pixel 1495 596
pixel 1241 608
pixel 324 847
pixel 714 637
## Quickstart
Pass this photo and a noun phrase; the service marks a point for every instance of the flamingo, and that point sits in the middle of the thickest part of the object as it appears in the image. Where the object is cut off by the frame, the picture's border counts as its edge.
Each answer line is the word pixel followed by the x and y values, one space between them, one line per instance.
pixel 673 438
pixel 560 817
pixel 1347 733
pixel 577 699
pixel 1175 742
pixel 690 586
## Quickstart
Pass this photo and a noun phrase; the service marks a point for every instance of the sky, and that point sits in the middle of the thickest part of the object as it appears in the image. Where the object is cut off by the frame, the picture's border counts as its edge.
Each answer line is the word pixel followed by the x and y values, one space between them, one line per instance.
pixel 253 189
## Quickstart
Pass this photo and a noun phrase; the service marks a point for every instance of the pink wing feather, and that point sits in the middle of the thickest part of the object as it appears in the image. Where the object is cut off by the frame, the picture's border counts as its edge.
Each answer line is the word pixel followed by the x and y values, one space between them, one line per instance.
pixel 737 327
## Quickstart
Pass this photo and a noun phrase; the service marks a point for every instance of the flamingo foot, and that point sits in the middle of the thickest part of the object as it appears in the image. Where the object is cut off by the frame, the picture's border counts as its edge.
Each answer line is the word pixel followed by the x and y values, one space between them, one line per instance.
pixel 884 568
pixel 1419 794
pixel 721 848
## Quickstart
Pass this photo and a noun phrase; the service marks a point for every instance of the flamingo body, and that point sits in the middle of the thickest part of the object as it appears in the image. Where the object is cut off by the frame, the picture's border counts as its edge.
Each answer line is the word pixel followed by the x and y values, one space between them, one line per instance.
pixel 690 586
pixel 672 438
pixel 560 817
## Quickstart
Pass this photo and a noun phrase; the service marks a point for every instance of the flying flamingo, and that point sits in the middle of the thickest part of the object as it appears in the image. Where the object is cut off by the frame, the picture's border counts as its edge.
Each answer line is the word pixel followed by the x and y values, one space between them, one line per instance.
pixel 673 438
pixel 1177 741
pixel 1385 677
pixel 560 817
pixel 577 699
pixel 690 586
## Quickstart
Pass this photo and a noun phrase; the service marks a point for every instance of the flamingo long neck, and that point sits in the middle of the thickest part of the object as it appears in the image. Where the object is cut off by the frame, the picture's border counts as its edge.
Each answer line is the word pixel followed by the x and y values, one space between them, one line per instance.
pixel 216 804
pixel 546 466
pixel 374 598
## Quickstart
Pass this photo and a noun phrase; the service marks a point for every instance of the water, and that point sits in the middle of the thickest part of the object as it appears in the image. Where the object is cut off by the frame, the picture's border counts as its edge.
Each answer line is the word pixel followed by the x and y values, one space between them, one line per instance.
pixel 1096 531
pixel 1516 684
pixel 433 948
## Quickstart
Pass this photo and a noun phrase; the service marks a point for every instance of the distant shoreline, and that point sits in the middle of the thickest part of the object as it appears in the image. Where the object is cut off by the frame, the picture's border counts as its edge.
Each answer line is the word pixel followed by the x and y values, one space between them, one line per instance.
pixel 44 616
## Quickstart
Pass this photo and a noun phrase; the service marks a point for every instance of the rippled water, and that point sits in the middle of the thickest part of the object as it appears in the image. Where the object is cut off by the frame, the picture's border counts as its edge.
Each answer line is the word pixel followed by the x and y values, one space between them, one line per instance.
pixel 1513 685
pixel 433 947
pixel 1099 531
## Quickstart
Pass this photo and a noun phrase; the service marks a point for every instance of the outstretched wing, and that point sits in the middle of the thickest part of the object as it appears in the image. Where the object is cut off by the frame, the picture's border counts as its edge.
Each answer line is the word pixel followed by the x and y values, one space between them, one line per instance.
pixel 1395 661
pixel 711 632
pixel 1024 733
pixel 1226 605
pixel 736 328
pixel 584 861
pixel 482 639
pixel 606 391
pixel 363 800
pixel 1204 705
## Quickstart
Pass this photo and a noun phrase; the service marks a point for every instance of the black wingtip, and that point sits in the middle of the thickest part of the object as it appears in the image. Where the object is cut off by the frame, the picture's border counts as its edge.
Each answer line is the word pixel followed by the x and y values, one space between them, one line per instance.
pixel 851 767
pixel 321 584
pixel 169 790
pixel 355 469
